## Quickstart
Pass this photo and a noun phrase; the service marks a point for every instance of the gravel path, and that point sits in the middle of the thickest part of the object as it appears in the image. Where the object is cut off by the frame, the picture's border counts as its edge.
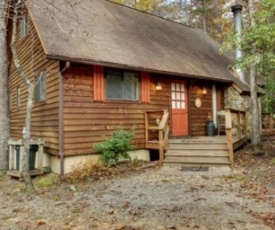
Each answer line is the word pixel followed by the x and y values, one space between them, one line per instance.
pixel 146 200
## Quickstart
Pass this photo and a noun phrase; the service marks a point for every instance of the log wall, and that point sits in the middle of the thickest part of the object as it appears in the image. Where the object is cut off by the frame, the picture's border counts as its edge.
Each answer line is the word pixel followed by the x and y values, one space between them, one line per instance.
pixel 87 121
pixel 44 115
pixel 198 116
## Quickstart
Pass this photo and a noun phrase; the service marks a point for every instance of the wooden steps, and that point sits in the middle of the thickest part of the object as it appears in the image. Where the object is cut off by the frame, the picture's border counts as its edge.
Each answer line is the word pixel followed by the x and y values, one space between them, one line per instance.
pixel 201 152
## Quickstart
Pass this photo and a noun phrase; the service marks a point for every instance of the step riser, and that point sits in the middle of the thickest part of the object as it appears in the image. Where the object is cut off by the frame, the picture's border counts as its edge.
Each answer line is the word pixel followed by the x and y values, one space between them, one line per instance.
pixel 221 160
pixel 196 142
pixel 193 165
pixel 197 147
pixel 197 153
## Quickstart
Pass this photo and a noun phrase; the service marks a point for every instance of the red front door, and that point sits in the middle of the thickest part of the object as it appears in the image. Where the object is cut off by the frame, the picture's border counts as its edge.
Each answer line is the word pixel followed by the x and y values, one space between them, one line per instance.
pixel 179 108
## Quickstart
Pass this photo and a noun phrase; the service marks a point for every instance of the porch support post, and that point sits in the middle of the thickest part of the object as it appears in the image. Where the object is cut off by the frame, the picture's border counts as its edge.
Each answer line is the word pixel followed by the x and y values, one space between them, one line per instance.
pixel 214 104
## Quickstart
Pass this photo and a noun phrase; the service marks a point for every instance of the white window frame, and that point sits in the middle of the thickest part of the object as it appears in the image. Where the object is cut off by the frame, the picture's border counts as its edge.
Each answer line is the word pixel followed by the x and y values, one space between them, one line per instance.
pixel 40 88
pixel 24 26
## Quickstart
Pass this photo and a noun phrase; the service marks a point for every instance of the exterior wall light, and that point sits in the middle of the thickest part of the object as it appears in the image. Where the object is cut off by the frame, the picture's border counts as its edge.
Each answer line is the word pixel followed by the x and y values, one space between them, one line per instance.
pixel 158 86
pixel 204 90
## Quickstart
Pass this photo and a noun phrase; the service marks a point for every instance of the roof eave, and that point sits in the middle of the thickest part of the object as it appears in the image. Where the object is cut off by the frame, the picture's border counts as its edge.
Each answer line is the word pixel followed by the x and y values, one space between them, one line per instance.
pixel 137 68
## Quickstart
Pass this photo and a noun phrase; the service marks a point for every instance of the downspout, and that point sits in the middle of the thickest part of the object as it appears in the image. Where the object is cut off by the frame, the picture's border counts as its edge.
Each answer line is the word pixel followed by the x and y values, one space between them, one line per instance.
pixel 237 12
pixel 61 118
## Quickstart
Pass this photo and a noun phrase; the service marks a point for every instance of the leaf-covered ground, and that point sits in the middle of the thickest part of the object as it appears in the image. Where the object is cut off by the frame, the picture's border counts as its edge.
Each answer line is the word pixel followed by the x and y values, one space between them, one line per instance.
pixel 139 196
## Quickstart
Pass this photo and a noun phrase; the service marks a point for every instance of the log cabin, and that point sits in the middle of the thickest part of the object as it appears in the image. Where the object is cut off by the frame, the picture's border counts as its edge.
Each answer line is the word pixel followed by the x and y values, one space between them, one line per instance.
pixel 106 66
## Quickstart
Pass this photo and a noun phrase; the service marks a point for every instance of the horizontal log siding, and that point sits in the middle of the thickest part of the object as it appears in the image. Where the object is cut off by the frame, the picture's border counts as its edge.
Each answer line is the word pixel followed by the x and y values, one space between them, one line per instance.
pixel 198 116
pixel 86 121
pixel 44 115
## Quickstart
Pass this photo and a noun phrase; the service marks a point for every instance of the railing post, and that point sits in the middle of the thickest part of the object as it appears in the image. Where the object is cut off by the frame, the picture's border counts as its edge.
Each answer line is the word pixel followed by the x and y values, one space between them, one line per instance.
pixel 245 124
pixel 146 129
pixel 161 149
pixel 229 135
pixel 239 124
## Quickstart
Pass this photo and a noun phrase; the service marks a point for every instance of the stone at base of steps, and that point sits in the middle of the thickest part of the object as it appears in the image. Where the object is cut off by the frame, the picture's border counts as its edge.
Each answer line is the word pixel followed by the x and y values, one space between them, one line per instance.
pixel 187 170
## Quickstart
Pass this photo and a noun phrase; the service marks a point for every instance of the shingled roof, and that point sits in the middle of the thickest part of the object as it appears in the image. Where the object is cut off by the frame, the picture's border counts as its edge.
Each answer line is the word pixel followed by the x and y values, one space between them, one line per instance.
pixel 102 32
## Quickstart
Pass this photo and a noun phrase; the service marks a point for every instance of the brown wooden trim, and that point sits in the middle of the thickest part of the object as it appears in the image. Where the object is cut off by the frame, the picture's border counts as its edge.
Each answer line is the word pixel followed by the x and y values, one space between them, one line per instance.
pixel 145 87
pixel 98 83
pixel 122 66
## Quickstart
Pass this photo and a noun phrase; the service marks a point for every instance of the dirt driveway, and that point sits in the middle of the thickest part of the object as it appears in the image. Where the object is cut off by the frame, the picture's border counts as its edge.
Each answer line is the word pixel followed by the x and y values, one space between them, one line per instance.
pixel 148 200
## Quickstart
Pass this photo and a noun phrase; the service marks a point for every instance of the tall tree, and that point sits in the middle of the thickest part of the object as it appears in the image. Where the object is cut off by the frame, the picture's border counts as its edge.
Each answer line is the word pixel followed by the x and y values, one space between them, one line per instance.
pixel 255 126
pixel 4 117
pixel 262 35
pixel 18 7
pixel 258 45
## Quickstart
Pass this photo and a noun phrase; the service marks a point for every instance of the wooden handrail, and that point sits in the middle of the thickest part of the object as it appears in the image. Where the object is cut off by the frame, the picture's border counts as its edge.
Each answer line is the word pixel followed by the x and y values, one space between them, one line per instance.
pixel 162 128
pixel 229 132
pixel 268 122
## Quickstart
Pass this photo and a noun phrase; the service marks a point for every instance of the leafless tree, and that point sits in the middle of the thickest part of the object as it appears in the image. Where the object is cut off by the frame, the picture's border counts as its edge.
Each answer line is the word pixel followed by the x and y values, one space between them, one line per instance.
pixel 4 116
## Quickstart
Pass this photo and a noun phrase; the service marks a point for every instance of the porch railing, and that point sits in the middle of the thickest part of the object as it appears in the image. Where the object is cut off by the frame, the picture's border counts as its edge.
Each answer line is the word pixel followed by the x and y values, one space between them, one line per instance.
pixel 157 131
pixel 268 124
pixel 236 128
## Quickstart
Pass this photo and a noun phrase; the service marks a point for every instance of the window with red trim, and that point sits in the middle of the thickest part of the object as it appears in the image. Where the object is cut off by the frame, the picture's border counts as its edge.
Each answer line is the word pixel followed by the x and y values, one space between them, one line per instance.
pixel 115 84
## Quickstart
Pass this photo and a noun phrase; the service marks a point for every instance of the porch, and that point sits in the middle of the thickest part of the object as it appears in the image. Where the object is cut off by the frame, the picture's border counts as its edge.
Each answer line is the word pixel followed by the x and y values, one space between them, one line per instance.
pixel 196 151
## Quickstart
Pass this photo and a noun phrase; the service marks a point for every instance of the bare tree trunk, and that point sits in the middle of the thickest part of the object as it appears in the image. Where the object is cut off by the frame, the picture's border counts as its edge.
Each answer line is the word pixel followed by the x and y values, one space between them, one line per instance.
pixel 255 126
pixel 30 87
pixel 26 141
pixel 4 113
pixel 255 119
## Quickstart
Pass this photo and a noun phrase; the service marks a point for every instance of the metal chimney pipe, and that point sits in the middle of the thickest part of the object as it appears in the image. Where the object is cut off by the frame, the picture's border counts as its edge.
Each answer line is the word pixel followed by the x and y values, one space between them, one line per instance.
pixel 237 12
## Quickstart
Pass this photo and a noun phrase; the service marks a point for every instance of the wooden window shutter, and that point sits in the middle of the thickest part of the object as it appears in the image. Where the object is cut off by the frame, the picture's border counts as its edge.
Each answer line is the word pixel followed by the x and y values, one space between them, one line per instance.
pixel 98 83
pixel 145 87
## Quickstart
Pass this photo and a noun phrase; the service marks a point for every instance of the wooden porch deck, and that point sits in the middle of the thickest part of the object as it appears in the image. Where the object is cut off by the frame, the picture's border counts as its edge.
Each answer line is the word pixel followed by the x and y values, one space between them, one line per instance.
pixel 198 150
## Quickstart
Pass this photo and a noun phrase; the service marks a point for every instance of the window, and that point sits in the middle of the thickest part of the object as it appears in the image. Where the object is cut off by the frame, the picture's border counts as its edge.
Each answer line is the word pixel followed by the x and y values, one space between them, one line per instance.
pixel 40 88
pixel 17 97
pixel 24 26
pixel 122 85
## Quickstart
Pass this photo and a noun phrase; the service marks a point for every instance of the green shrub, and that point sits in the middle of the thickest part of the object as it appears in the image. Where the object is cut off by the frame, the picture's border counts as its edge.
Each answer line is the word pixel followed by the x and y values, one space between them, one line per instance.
pixel 115 147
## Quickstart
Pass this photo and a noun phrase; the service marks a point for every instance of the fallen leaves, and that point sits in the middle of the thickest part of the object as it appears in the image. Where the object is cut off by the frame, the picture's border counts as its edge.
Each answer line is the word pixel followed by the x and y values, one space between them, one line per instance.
pixel 267 218
pixel 95 171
